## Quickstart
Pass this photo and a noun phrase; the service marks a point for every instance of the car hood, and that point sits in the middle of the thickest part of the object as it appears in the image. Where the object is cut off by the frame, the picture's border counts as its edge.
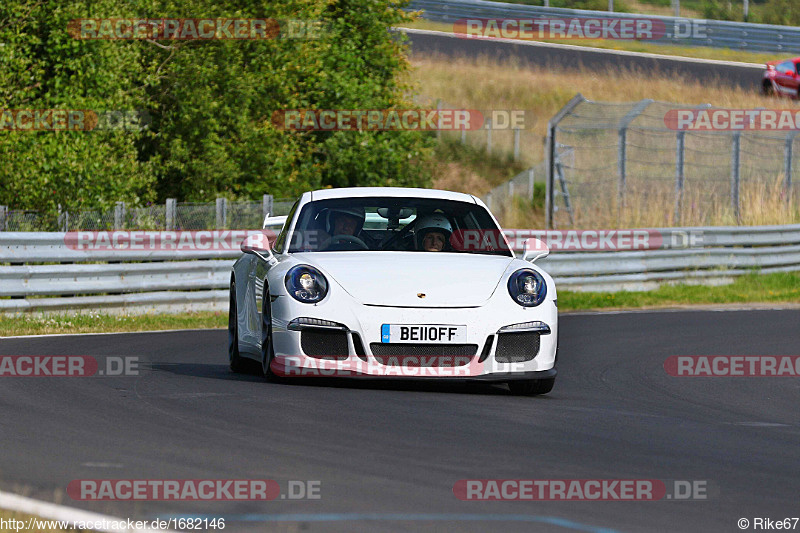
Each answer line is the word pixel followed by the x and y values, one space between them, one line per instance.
pixel 396 279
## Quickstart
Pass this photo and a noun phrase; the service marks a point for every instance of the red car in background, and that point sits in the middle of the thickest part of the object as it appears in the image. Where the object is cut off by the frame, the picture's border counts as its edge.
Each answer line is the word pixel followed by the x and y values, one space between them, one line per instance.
pixel 781 78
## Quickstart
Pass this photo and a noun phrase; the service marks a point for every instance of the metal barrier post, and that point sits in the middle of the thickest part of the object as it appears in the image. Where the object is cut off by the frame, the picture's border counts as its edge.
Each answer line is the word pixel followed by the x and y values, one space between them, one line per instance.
pixel 170 214
pixel 735 163
pixel 119 215
pixel 679 164
pixel 787 163
pixel 266 205
pixel 488 136
pixel 516 144
pixel 3 217
pixel 222 213
pixel 530 182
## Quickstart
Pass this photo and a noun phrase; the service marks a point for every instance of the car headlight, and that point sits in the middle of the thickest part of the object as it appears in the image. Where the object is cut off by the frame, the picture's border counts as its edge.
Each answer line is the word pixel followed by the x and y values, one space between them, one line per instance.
pixel 306 284
pixel 527 287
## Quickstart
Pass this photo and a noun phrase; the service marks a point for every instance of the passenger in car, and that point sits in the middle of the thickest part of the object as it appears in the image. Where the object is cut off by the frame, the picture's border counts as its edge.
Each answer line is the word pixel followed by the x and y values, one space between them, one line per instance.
pixel 432 233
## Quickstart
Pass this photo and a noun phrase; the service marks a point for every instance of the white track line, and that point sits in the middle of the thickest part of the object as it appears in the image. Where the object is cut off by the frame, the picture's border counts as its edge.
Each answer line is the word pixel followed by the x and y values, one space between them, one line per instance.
pixel 52 511
pixel 589 49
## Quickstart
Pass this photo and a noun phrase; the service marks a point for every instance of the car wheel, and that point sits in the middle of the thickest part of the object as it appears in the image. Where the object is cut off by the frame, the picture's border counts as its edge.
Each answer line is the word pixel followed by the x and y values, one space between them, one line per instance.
pixel 237 363
pixel 767 89
pixel 531 387
pixel 267 350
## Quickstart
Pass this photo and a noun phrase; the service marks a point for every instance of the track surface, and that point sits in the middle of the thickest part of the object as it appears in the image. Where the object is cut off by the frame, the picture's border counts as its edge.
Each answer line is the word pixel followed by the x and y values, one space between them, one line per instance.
pixel 394 450
pixel 586 59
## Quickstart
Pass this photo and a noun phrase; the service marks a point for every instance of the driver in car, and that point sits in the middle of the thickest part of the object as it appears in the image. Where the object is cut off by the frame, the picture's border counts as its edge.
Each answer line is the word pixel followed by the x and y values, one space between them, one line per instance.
pixel 432 233
pixel 342 222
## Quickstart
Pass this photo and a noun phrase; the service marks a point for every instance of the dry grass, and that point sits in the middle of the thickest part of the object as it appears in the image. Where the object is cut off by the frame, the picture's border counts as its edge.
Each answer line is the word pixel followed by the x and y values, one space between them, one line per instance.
pixel 544 91
pixel 485 84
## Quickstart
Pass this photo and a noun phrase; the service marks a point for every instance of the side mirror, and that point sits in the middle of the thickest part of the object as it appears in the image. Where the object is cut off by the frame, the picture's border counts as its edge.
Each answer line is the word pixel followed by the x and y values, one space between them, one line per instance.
pixel 258 245
pixel 534 249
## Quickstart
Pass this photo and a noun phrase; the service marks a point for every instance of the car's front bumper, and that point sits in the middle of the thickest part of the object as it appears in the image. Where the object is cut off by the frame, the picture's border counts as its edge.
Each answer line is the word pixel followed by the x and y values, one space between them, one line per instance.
pixel 362 327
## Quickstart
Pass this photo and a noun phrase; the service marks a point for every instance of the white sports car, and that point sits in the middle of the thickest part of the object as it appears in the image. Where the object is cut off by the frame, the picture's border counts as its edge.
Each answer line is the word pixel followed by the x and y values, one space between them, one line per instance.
pixel 394 282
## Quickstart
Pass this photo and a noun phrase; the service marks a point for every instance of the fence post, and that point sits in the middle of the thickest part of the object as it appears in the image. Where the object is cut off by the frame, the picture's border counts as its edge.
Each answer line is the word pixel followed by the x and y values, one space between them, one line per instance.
pixel 629 117
pixel 621 155
pixel 222 213
pixel 735 160
pixel 679 164
pixel 787 163
pixel 3 217
pixel 550 158
pixel 119 215
pixel 516 144
pixel 530 182
pixel 488 136
pixel 170 214
pixel 63 220
pixel 438 120
pixel 266 205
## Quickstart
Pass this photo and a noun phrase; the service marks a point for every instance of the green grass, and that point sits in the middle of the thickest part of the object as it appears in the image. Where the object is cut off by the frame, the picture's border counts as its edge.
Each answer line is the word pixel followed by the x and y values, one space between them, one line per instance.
pixel 96 322
pixel 722 54
pixel 751 288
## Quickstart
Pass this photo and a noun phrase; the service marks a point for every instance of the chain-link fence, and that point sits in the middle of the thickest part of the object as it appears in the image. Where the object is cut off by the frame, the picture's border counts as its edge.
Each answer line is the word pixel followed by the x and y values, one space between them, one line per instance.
pixel 500 200
pixel 173 215
pixel 625 165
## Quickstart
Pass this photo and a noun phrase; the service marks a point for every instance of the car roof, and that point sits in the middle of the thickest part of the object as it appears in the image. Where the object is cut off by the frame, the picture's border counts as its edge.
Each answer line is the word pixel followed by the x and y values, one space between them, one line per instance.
pixel 399 192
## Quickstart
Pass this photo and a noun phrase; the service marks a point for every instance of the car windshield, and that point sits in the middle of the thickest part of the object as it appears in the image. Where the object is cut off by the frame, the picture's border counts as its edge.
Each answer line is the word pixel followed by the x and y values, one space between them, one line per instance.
pixel 397 224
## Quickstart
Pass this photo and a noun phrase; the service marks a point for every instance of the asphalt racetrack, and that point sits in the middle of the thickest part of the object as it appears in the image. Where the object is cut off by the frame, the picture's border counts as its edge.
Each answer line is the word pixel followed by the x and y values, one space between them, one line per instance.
pixel 586 59
pixel 388 454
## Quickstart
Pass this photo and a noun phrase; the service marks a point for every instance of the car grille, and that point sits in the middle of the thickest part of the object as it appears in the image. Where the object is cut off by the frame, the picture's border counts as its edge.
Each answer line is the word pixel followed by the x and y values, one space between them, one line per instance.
pixel 324 344
pixel 401 354
pixel 517 347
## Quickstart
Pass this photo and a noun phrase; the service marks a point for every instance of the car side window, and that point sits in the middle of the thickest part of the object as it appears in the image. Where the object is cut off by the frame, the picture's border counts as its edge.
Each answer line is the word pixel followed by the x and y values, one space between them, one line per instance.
pixel 786 65
pixel 280 242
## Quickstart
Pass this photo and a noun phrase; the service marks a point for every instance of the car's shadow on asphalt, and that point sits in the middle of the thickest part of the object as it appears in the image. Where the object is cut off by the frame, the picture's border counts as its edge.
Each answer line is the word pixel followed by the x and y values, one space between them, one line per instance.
pixel 253 374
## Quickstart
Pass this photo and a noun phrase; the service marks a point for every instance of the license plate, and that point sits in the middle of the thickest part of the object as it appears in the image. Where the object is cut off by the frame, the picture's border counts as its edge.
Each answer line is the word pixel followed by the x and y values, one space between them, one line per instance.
pixel 424 333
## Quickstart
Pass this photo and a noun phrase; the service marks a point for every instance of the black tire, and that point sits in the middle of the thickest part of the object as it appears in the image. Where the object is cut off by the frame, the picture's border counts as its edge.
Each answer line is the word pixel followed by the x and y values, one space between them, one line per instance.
pixel 235 360
pixel 767 89
pixel 531 387
pixel 267 350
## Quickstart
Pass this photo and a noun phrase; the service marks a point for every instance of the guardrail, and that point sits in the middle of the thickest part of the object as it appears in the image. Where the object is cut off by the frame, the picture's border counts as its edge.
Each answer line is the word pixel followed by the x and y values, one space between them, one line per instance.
pixel 149 281
pixel 693 32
